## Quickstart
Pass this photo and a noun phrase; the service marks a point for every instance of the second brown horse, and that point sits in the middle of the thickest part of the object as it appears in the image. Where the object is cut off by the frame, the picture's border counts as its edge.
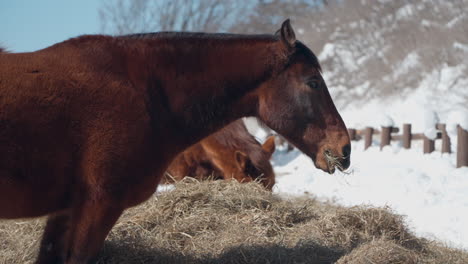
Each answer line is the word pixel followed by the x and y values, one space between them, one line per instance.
pixel 231 153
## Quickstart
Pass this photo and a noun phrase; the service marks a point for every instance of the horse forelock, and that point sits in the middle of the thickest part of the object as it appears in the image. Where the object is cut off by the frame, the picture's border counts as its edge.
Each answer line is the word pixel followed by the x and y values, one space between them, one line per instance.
pixel 303 50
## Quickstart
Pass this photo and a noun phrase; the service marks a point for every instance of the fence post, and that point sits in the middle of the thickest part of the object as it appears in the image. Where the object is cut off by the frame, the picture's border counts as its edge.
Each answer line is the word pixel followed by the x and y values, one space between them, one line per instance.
pixel 352 133
pixel 406 136
pixel 462 147
pixel 445 139
pixel 368 137
pixel 385 136
pixel 429 145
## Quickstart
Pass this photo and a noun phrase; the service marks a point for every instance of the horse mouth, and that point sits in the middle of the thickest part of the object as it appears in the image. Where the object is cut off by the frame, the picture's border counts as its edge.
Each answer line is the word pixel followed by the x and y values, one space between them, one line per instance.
pixel 334 162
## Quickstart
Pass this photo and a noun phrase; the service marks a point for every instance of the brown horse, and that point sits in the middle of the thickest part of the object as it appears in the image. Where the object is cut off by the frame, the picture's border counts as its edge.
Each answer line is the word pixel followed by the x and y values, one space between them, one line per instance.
pixel 89 126
pixel 231 153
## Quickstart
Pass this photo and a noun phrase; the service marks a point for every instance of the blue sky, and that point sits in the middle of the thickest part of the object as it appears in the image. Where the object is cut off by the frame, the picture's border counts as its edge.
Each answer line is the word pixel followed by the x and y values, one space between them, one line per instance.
pixel 36 24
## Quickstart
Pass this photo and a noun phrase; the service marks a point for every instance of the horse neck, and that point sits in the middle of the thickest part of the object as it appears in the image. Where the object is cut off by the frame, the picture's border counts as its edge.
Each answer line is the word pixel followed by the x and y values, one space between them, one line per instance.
pixel 201 87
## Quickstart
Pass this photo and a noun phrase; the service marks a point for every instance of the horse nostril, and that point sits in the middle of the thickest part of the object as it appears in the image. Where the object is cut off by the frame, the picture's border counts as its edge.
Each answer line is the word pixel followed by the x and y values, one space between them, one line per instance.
pixel 346 151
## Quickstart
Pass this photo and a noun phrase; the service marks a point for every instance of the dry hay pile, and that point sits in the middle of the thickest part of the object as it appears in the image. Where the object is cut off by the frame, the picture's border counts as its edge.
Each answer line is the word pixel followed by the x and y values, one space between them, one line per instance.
pixel 220 222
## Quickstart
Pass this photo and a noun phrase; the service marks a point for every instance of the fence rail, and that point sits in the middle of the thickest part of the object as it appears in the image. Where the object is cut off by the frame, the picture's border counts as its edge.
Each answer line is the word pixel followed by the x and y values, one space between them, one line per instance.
pixel 387 135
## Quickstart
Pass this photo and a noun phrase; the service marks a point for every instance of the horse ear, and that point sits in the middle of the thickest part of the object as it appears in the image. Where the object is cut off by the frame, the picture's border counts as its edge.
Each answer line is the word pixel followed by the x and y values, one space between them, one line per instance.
pixel 241 160
pixel 269 146
pixel 287 34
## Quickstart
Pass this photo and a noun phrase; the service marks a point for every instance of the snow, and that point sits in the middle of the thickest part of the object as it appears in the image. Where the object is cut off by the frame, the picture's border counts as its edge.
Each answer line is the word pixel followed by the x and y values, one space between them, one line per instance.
pixel 430 120
pixel 427 23
pixel 417 109
pixel 460 46
pixel 411 61
pixel 343 53
pixel 431 133
pixel 448 76
pixel 454 21
pixel 386 121
pixel 327 52
pixel 427 189
pixel 411 111
pixel 404 12
pixel 457 117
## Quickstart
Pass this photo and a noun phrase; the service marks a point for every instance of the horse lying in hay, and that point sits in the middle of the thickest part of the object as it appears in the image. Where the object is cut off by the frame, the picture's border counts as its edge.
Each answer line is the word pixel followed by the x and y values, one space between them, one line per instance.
pixel 89 126
pixel 231 153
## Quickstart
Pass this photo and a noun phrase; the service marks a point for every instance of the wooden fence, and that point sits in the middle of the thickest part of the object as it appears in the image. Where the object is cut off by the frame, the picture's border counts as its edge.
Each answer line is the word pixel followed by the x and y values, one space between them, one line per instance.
pixel 387 134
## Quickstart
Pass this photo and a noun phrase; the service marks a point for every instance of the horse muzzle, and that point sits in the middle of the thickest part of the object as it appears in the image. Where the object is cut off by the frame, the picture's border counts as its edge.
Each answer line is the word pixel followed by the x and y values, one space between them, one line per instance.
pixel 340 162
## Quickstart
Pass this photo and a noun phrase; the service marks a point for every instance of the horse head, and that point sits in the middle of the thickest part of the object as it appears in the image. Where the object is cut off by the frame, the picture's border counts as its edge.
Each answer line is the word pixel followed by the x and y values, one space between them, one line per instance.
pixel 296 103
pixel 256 167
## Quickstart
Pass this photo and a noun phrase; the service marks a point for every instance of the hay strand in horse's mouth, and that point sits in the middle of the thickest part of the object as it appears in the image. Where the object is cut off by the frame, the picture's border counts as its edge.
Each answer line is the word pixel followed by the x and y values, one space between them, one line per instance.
pixel 334 161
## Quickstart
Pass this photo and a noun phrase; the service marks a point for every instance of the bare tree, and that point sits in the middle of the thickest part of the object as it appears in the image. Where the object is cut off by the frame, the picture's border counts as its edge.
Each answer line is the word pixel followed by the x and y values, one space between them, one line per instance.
pixel 131 16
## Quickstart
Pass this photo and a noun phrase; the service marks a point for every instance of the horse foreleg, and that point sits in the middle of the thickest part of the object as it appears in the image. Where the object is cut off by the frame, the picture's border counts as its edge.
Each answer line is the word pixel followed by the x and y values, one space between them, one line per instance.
pixel 53 243
pixel 90 224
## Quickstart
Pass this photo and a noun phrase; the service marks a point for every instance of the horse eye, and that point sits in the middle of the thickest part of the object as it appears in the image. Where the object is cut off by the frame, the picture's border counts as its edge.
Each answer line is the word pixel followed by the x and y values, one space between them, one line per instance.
pixel 313 84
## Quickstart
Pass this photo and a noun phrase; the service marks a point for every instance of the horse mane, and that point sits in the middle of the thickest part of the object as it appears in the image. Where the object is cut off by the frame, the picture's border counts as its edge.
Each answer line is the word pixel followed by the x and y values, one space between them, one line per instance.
pixel 192 38
pixel 236 136
pixel 300 47
pixel 198 35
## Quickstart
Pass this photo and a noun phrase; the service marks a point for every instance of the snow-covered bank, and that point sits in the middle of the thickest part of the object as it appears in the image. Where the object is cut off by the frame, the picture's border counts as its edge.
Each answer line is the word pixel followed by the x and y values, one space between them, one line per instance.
pixel 426 188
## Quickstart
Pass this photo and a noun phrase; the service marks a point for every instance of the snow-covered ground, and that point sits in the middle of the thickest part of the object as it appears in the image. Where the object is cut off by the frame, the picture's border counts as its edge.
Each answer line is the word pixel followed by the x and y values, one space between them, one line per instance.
pixel 428 189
